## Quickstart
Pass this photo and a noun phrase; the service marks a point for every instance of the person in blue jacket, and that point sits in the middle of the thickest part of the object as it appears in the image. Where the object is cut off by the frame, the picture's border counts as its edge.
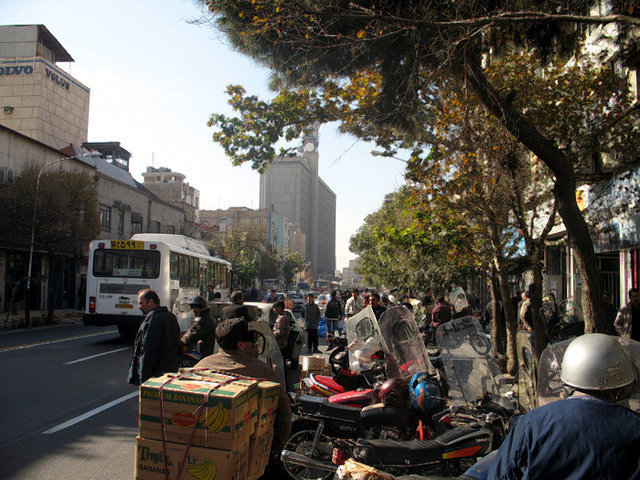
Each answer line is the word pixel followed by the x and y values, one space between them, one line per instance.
pixel 585 436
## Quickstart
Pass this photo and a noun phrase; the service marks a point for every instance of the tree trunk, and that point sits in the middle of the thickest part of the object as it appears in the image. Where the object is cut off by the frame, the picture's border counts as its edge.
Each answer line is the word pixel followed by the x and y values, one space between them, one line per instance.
pixel 539 330
pixel 510 317
pixel 57 280
pixel 564 192
pixel 496 313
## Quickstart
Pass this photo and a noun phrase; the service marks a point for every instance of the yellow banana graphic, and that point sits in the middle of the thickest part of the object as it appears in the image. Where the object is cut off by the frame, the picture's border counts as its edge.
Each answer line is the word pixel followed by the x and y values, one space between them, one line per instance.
pixel 217 418
pixel 203 471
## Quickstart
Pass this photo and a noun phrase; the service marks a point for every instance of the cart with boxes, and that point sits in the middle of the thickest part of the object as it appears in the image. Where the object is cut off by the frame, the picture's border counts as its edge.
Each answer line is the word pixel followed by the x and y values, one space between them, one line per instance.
pixel 204 424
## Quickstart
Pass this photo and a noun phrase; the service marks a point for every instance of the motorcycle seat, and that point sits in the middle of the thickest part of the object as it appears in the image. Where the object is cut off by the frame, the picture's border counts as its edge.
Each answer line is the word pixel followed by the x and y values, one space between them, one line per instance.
pixel 354 398
pixel 310 404
pixel 340 412
pixel 392 452
pixel 328 382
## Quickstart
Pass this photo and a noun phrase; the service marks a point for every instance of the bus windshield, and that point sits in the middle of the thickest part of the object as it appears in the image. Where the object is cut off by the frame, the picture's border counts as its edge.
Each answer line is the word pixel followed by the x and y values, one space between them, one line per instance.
pixel 126 263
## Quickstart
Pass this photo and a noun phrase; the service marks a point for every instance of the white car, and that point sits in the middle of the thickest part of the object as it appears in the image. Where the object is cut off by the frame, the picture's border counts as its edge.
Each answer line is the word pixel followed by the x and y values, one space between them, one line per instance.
pixel 322 301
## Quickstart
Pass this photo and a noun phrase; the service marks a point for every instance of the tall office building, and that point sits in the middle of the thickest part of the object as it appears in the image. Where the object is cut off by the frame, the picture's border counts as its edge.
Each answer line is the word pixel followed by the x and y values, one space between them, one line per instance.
pixel 291 186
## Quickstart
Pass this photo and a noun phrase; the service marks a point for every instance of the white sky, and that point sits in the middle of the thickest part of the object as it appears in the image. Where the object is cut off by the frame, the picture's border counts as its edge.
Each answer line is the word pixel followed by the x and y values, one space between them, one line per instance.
pixel 155 80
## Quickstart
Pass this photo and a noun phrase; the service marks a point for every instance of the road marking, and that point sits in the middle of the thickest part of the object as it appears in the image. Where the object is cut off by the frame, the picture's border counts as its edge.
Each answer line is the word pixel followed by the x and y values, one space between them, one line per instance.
pixel 59 340
pixel 97 355
pixel 90 413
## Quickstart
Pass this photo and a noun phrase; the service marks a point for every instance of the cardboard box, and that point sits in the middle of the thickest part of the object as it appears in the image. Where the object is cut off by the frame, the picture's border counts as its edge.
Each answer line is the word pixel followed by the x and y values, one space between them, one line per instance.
pixel 313 362
pixel 268 395
pixel 259 451
pixel 200 463
pixel 226 421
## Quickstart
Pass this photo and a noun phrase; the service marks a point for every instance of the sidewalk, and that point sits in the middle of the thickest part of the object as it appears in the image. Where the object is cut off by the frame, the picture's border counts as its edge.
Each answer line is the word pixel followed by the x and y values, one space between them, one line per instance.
pixel 38 318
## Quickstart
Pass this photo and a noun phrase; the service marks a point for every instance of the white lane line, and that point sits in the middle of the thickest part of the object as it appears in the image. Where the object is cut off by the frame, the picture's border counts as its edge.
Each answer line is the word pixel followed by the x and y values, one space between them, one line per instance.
pixel 97 355
pixel 47 342
pixel 90 413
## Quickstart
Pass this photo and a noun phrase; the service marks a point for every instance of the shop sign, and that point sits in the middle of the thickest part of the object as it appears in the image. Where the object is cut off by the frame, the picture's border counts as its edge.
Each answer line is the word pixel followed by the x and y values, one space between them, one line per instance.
pixel 16 70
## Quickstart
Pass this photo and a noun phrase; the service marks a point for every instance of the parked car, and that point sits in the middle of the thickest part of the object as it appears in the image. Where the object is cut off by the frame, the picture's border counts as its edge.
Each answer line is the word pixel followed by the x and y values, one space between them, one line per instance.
pixel 261 310
pixel 322 301
pixel 298 301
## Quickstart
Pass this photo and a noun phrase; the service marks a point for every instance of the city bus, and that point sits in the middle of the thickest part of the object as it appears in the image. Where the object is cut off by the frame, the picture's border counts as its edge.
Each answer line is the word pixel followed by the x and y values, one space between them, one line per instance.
pixel 175 266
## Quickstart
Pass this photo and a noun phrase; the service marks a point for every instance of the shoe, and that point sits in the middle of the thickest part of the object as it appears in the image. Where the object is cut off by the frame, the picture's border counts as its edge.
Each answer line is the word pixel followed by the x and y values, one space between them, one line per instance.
pixel 317 351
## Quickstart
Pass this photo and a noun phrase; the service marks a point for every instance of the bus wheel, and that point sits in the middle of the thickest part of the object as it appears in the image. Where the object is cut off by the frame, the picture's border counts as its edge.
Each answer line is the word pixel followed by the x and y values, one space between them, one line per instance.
pixel 127 332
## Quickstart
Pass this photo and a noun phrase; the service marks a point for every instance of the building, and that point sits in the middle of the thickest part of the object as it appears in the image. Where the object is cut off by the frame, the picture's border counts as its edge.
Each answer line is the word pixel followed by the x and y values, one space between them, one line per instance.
pixel 171 187
pixel 37 98
pixel 44 116
pixel 291 186
pixel 275 228
pixel 350 276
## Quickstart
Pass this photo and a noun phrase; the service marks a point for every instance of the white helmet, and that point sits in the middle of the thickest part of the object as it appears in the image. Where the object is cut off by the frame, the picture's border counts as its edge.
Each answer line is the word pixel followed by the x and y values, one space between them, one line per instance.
pixel 596 362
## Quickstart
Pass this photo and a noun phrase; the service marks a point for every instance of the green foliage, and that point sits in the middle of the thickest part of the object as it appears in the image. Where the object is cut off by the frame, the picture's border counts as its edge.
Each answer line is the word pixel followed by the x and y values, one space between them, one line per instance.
pixel 291 264
pixel 246 250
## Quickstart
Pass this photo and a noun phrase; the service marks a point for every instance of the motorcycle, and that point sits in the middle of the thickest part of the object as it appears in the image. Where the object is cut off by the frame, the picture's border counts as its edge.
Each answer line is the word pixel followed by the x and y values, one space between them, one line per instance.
pixel 381 435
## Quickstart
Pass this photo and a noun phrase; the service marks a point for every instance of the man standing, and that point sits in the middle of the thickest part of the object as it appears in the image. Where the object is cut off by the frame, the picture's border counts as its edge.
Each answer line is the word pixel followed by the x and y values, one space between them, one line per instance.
pixel 354 304
pixel 311 315
pixel 627 322
pixel 209 293
pixel 281 330
pixel 155 350
pixel 236 309
pixel 333 312
pixel 202 334
pixel 374 301
pixel 442 313
pixel 238 354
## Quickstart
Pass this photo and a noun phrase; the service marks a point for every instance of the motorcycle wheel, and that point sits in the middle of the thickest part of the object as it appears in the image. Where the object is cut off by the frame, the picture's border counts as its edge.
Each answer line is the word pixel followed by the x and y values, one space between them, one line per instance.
pixel 302 442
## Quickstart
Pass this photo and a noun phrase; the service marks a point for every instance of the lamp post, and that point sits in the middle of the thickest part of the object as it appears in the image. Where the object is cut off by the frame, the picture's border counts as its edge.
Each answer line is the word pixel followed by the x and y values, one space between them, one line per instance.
pixel 27 297
pixel 378 153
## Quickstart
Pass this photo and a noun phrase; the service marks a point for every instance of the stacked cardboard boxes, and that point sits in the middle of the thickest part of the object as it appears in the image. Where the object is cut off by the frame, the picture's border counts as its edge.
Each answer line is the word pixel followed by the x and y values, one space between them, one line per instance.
pixel 202 424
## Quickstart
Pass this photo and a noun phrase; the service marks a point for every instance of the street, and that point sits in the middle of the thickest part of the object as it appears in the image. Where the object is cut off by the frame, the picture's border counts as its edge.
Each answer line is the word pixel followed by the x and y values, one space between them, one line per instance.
pixel 68 412
pixel 67 409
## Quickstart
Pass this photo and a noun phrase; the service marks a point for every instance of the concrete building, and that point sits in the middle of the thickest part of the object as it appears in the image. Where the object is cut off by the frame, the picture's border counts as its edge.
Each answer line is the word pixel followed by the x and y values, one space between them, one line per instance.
pixel 350 276
pixel 171 187
pixel 44 115
pixel 291 186
pixel 275 228
pixel 37 98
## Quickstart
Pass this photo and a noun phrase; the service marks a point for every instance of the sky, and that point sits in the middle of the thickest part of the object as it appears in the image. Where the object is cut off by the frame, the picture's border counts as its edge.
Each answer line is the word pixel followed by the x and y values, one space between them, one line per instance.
pixel 155 79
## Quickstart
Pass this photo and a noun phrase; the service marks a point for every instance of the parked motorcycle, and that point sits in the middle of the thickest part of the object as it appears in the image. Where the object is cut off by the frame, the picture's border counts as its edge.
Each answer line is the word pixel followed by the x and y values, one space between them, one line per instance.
pixel 382 435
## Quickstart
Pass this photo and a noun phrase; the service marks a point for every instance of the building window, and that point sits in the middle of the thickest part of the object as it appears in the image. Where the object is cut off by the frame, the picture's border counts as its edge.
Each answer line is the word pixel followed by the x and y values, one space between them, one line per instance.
pixel 170 229
pixel 104 211
pixel 120 223
pixel 136 227
pixel 155 227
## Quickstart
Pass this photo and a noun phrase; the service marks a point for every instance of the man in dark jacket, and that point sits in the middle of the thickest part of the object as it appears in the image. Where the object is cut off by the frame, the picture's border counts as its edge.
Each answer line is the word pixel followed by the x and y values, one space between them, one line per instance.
pixel 156 347
pixel 236 309
pixel 311 314
pixel 238 354
pixel 202 334
pixel 333 312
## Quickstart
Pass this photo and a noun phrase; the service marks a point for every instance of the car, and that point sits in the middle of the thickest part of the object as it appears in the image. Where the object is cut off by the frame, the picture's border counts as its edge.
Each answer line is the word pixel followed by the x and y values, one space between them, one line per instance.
pixel 264 311
pixel 298 301
pixel 322 301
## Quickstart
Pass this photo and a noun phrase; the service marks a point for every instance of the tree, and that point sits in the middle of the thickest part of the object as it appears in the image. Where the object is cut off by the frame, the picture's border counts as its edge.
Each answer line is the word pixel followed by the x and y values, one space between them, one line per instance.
pixel 291 264
pixel 66 217
pixel 246 250
pixel 405 50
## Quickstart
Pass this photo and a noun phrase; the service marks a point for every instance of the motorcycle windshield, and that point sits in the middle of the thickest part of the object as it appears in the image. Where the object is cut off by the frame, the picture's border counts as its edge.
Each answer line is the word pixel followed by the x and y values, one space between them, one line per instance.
pixel 363 339
pixel 403 346
pixel 551 388
pixel 471 373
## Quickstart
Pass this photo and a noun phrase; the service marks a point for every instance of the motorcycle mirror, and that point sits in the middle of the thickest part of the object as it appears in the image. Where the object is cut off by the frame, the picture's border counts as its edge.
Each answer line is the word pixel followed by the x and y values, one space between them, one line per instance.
pixel 260 343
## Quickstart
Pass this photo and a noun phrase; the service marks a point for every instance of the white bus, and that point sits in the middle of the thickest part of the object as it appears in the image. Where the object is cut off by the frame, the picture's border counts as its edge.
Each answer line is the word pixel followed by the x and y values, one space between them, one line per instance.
pixel 175 266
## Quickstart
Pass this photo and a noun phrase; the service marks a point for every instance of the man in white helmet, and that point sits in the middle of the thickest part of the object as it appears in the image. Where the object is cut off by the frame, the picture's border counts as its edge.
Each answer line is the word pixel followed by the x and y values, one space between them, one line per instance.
pixel 585 436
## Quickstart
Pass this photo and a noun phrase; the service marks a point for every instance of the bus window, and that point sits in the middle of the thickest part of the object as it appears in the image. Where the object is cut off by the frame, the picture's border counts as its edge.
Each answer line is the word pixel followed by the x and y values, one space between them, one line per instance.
pixel 174 267
pixel 126 263
pixel 194 278
pixel 184 270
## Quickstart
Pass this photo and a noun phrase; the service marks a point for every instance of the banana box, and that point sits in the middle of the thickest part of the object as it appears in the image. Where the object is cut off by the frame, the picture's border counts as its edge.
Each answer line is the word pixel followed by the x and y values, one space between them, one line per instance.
pixel 268 395
pixel 259 450
pixel 226 421
pixel 199 463
pixel 312 362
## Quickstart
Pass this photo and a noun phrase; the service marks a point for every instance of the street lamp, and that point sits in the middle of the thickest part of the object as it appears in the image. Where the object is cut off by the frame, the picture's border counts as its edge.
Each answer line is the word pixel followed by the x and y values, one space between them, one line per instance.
pixel 27 297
